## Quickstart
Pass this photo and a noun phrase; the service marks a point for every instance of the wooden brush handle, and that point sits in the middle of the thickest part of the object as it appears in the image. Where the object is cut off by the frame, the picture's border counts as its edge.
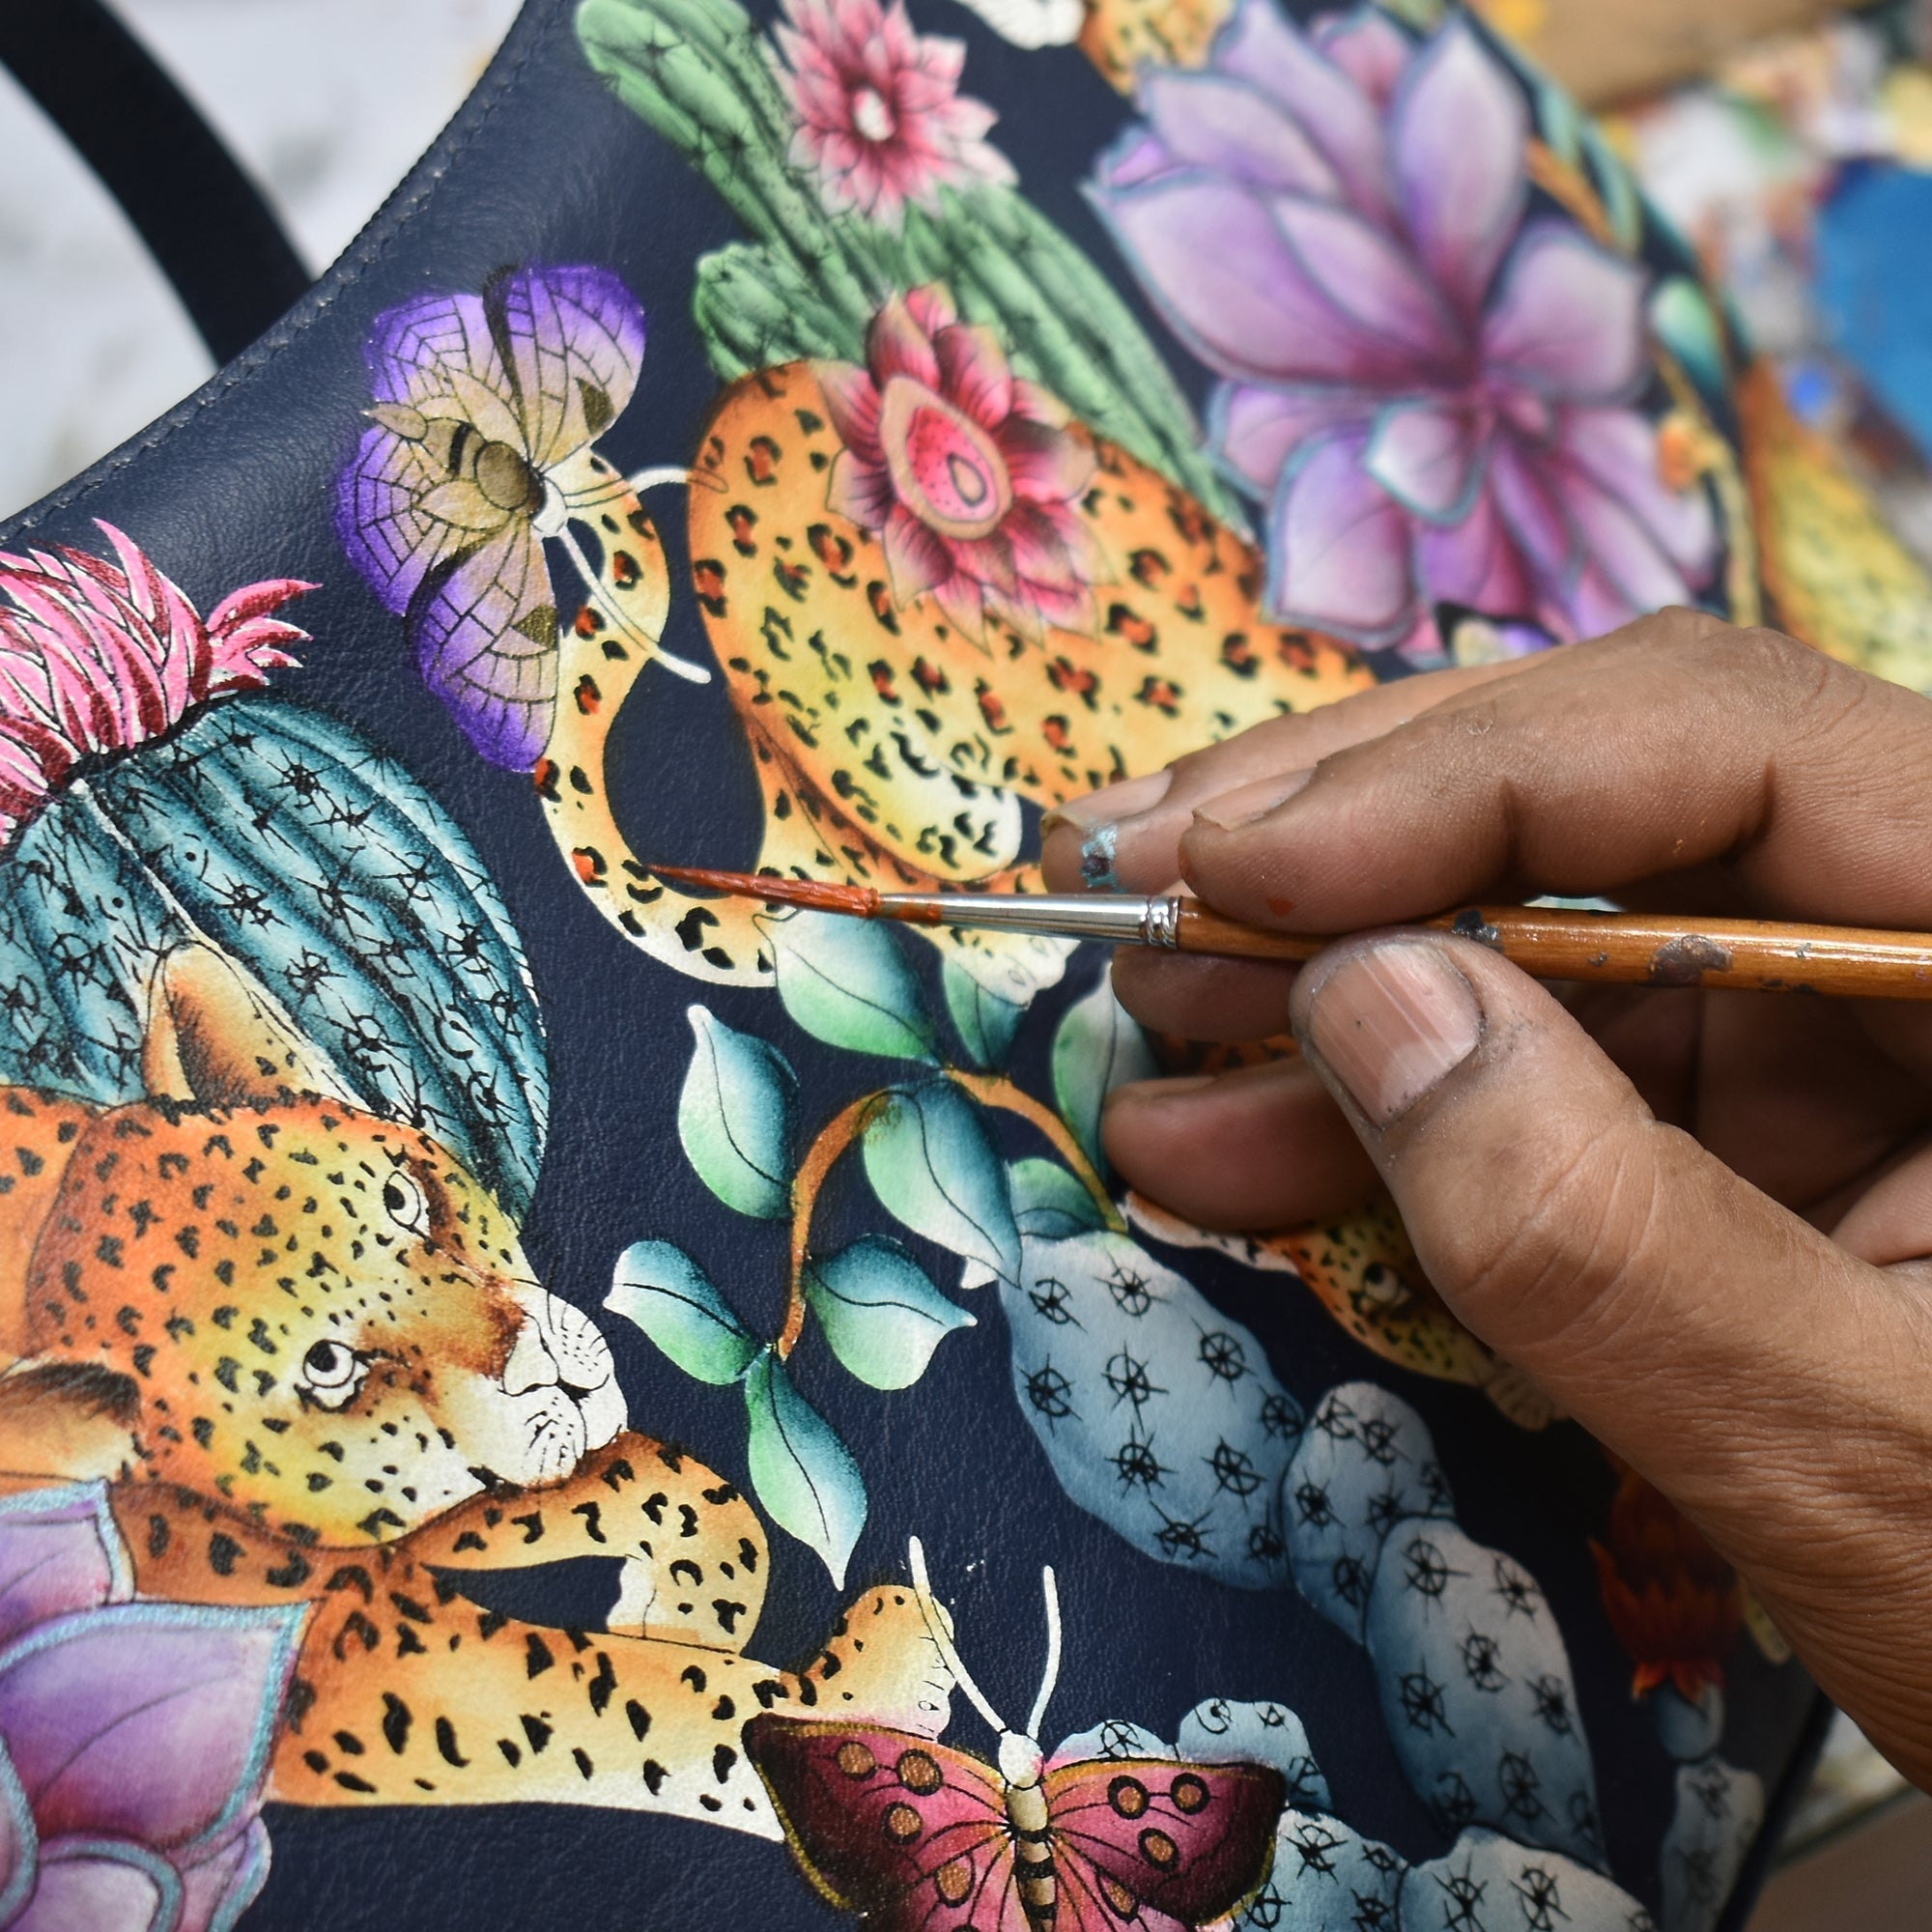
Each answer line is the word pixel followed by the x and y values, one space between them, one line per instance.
pixel 1636 950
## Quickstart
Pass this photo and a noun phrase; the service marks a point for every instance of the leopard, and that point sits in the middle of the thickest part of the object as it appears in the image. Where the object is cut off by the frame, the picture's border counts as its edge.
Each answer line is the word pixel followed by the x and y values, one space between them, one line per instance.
pixel 304 1351
pixel 890 749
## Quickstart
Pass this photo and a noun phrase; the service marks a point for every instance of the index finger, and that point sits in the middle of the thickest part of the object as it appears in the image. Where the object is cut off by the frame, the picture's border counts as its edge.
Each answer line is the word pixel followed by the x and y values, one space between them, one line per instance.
pixel 1670 744
pixel 1127 836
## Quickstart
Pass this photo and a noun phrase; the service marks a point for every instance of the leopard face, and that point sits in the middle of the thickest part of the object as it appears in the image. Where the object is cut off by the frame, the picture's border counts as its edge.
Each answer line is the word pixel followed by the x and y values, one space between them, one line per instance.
pixel 313 1314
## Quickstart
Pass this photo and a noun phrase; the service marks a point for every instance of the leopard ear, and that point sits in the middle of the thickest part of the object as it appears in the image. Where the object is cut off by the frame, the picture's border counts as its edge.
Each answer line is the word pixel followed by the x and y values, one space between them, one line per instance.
pixel 216 1036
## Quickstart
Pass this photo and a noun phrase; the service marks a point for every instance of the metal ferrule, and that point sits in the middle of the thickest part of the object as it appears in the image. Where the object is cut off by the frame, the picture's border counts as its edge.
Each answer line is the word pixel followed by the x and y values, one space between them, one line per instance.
pixel 1124 919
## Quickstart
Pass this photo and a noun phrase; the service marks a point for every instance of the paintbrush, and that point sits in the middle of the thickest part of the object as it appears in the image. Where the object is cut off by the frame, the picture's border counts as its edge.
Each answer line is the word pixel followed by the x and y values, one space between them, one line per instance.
pixel 1549 942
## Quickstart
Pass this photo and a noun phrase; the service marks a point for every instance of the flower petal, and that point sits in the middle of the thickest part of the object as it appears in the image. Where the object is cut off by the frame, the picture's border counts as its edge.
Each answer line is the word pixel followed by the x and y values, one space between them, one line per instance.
pixel 60 1551
pixel 102 1887
pixel 1372 281
pixel 1255 431
pixel 1475 563
pixel 1214 120
pixel 1617 448
pixel 974 374
pixel 896 344
pixel 852 403
pixel 1618 545
pixel 1429 458
pixel 147 1721
pixel 1456 139
pixel 1369 47
pixel 1045 465
pixel 1522 481
pixel 1261 43
pixel 1340 548
pixel 1217 264
pixel 917 559
pixel 1568 319
pixel 220 1888
pixel 860 492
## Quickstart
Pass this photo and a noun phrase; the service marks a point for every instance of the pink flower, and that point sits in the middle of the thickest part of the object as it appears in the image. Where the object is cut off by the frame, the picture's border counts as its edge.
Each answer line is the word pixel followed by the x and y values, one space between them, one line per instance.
pixel 96 659
pixel 966 472
pixel 1431 393
pixel 881 121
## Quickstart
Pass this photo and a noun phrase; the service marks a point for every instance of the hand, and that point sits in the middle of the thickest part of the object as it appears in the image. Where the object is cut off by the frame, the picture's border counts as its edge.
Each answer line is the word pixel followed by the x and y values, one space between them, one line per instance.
pixel 1701 1221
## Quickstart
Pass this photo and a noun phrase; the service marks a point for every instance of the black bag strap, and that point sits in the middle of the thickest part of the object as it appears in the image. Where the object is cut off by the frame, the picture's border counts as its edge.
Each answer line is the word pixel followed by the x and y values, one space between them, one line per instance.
pixel 203 220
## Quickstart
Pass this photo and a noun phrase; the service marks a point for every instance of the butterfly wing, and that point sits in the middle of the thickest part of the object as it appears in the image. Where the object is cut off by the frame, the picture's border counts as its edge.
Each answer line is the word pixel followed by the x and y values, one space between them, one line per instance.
pixel 902 1829
pixel 434 356
pixel 572 340
pixel 483 626
pixel 1189 1841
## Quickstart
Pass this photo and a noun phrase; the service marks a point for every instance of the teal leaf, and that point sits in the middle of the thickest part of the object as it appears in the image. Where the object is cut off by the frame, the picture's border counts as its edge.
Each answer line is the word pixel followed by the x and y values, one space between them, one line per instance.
pixel 665 1293
pixel 934 1170
pixel 735 1117
pixel 1049 1204
pixel 1688 327
pixel 803 1474
pixel 985 1023
pixel 1095 1048
pixel 845 983
pixel 881 1315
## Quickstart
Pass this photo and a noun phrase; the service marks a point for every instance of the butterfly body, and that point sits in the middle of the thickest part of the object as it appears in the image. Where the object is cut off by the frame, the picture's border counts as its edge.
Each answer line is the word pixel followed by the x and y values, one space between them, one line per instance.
pixel 917 1837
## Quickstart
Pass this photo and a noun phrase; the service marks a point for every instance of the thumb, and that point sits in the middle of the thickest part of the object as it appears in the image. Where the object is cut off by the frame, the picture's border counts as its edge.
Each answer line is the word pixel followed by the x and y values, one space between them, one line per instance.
pixel 1766 1381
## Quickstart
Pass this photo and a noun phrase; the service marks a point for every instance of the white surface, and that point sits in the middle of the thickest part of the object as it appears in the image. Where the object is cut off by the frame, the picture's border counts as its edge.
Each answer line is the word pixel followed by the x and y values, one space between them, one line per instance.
pixel 328 102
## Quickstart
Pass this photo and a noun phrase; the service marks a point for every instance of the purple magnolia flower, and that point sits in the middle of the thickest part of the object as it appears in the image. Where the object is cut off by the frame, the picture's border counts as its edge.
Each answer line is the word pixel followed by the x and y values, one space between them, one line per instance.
pixel 134 1736
pixel 1431 392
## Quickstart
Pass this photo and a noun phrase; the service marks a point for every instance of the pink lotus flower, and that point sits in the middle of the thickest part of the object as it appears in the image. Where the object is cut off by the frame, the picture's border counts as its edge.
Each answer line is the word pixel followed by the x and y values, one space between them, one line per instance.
pixel 134 1736
pixel 881 121
pixel 1431 394
pixel 966 472
pixel 96 659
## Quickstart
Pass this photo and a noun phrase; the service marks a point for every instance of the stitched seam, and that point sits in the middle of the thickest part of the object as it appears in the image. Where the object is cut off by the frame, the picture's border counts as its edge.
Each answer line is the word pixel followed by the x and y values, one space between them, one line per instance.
pixel 315 304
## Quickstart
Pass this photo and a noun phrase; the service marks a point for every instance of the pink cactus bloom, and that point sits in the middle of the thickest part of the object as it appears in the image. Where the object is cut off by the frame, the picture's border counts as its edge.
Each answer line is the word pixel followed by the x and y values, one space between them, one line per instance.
pixel 96 659
pixel 966 472
pixel 881 121
pixel 1431 393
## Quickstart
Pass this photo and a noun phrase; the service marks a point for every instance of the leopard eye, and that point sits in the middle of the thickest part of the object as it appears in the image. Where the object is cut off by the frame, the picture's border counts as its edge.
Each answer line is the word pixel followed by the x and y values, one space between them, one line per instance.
pixel 405 1201
pixel 331 1372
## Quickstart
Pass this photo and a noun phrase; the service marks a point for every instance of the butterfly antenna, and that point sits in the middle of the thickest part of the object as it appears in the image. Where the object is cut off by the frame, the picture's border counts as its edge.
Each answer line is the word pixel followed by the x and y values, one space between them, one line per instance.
pixel 645 642
pixel 935 1625
pixel 1051 1676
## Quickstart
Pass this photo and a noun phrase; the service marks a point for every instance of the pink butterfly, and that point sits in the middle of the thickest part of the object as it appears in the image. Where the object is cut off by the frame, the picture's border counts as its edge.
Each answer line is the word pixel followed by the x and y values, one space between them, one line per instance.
pixel 917 1837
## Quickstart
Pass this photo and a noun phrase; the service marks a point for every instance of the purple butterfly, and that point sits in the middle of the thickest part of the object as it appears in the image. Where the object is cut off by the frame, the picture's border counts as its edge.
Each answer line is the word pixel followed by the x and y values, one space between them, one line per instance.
pixel 479 451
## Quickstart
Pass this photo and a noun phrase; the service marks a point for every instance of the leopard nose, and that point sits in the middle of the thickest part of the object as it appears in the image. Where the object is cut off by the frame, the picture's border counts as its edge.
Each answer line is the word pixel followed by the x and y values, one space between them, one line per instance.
pixel 530 1365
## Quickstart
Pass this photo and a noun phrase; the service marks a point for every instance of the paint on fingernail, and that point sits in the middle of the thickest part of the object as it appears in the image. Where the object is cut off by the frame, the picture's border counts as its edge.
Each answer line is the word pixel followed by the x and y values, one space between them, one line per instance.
pixel 1097 853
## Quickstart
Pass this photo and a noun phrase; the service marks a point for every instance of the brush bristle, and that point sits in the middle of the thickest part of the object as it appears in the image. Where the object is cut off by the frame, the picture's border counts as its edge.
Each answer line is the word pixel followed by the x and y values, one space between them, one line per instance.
pixel 815 894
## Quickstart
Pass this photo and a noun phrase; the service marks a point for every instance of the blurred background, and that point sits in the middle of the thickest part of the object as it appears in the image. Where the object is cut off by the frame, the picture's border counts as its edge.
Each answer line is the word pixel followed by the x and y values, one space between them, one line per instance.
pixel 1790 141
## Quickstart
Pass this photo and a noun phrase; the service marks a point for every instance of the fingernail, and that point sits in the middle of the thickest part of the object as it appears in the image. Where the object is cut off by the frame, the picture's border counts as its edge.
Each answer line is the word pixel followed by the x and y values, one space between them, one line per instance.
pixel 1180 1086
pixel 1392 1023
pixel 1097 818
pixel 1242 806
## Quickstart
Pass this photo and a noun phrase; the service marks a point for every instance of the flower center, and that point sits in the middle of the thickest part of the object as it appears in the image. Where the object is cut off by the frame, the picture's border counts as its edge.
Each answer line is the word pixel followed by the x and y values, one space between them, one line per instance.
pixel 871 115
pixel 945 466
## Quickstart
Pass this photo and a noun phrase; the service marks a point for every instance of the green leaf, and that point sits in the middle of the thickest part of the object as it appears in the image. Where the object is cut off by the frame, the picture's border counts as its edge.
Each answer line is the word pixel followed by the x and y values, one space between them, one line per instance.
pixel 1095 1048
pixel 661 1289
pixel 882 1316
pixel 986 1022
pixel 934 1170
pixel 735 1118
pixel 1049 1204
pixel 803 1474
pixel 845 983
